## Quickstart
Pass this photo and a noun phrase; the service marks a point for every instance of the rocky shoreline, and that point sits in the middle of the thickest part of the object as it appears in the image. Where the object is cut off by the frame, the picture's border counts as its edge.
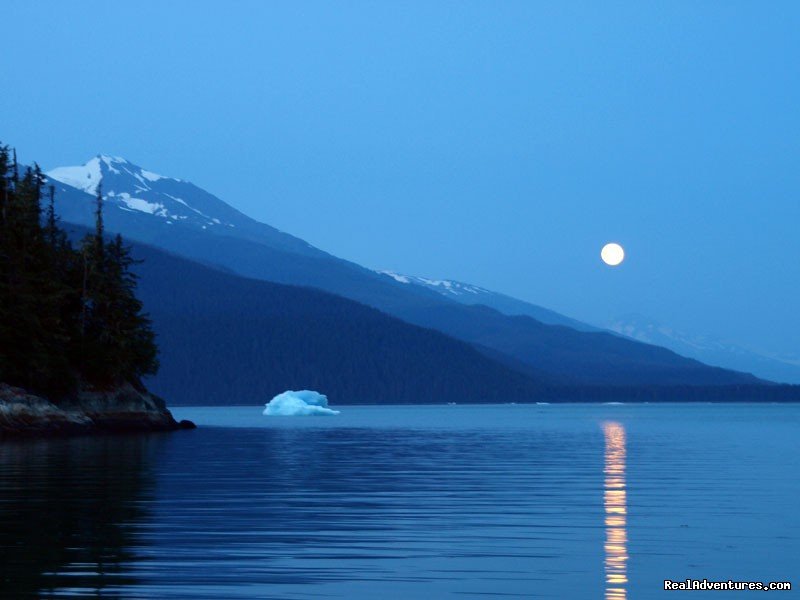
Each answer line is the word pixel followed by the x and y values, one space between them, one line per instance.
pixel 123 409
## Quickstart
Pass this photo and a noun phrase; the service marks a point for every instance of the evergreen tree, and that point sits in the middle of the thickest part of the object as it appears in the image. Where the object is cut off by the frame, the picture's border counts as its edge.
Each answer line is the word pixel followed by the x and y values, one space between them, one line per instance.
pixel 132 339
pixel 67 318
pixel 119 343
pixel 99 229
pixel 4 182
pixel 31 295
pixel 51 224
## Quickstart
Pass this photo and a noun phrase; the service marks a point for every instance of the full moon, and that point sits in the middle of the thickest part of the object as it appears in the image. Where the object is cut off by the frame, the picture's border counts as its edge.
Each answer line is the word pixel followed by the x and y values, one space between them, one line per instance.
pixel 612 254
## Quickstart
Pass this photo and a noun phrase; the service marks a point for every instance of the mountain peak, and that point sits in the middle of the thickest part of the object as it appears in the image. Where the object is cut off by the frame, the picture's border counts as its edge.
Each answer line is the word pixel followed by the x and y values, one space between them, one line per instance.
pixel 109 160
pixel 87 176
pixel 131 193
pixel 129 188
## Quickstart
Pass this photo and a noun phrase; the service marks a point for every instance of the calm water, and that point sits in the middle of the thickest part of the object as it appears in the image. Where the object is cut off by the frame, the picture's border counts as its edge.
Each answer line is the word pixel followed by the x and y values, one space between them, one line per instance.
pixel 571 501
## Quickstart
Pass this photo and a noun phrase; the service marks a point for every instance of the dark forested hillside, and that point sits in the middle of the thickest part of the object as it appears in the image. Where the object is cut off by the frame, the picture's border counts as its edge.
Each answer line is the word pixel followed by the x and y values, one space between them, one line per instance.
pixel 225 339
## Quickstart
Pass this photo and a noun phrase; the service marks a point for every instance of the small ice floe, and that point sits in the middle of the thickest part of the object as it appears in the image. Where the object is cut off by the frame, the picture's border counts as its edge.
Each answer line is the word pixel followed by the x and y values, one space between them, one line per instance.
pixel 543 404
pixel 299 403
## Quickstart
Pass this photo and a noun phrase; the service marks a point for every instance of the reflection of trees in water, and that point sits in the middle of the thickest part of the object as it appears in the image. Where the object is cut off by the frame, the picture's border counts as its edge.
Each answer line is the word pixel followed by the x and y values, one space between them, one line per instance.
pixel 68 509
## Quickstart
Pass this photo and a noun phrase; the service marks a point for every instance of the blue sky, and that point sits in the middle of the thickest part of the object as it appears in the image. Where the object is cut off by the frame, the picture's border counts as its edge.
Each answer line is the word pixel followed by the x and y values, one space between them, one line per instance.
pixel 499 143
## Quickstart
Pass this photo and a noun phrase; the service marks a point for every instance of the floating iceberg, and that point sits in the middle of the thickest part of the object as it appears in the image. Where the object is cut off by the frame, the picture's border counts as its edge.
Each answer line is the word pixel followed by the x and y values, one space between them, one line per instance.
pixel 300 403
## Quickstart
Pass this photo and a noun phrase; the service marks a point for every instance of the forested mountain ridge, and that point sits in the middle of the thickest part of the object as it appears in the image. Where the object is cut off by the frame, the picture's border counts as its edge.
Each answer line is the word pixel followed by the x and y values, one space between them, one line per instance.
pixel 226 339
pixel 249 339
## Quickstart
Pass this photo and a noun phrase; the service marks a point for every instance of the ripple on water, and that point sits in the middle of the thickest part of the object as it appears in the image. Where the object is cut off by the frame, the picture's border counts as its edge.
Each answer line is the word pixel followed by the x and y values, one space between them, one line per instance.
pixel 399 502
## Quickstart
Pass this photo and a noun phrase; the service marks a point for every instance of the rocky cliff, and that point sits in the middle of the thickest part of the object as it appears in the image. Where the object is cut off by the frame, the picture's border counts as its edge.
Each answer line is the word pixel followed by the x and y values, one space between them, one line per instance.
pixel 121 409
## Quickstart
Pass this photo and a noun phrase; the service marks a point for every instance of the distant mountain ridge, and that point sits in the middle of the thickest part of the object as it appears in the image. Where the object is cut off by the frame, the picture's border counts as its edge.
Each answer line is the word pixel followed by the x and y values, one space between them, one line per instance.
pixel 709 349
pixel 148 208
pixel 466 293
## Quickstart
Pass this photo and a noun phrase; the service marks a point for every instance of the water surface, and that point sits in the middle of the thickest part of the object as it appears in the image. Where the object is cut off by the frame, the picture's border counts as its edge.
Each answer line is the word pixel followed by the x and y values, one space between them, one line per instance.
pixel 522 501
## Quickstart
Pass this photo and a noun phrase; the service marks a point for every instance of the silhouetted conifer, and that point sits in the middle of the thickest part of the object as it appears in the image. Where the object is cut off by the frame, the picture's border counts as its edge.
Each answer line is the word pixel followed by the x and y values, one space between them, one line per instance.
pixel 67 318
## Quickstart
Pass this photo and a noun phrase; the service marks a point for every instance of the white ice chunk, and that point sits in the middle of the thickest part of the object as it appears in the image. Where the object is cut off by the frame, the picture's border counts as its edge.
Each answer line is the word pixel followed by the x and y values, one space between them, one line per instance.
pixel 299 403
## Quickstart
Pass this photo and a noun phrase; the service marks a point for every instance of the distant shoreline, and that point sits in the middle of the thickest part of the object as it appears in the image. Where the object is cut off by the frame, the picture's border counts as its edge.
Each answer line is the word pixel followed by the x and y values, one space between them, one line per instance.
pixel 757 394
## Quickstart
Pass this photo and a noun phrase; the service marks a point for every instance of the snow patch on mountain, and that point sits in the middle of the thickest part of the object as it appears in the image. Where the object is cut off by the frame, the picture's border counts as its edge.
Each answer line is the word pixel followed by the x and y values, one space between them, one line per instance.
pixel 150 176
pixel 153 208
pixel 111 161
pixel 84 178
pixel 397 277
pixel 444 286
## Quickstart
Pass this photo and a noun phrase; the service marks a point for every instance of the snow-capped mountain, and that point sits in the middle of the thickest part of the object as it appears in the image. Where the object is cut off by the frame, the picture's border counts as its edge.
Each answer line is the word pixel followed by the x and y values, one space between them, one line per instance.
pixel 134 190
pixel 708 349
pixel 466 293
